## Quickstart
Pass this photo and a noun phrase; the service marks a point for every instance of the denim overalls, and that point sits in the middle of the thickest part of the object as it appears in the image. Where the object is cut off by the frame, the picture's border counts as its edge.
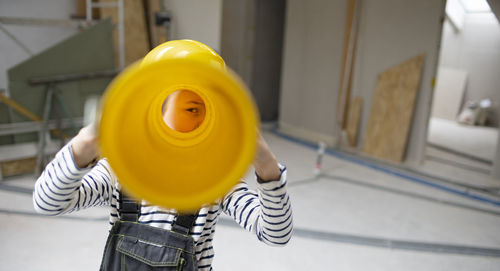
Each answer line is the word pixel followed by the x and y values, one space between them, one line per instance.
pixel 138 247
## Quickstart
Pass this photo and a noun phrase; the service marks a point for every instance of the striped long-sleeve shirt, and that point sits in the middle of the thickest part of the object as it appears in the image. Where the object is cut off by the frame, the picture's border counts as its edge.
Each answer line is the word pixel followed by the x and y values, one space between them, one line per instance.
pixel 63 187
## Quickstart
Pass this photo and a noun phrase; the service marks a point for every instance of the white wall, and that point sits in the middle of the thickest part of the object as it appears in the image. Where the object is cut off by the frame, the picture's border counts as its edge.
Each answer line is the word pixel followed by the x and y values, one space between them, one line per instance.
pixel 391 32
pixel 35 38
pixel 475 49
pixel 311 67
pixel 196 19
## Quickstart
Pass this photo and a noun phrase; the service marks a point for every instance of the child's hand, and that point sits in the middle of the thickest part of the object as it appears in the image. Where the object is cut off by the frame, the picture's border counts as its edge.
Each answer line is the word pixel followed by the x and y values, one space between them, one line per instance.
pixel 265 162
pixel 85 146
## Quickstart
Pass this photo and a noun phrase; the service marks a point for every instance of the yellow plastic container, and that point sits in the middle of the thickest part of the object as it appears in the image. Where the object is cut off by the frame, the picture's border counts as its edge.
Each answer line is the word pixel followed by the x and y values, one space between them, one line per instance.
pixel 184 49
pixel 165 167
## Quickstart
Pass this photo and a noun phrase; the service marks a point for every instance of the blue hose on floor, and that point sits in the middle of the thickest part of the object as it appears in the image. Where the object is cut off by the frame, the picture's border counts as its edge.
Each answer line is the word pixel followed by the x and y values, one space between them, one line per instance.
pixel 388 170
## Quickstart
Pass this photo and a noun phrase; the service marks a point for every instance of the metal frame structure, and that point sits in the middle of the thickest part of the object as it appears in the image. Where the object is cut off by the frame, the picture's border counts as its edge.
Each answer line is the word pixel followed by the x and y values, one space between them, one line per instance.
pixel 43 125
pixel 53 96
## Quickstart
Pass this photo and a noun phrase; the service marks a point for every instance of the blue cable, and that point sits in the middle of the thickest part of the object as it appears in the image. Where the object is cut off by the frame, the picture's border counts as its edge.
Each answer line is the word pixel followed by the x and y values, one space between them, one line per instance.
pixel 388 170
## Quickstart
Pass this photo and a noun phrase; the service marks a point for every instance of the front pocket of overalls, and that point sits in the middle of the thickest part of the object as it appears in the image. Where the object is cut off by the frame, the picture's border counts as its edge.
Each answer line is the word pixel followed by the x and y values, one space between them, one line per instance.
pixel 144 252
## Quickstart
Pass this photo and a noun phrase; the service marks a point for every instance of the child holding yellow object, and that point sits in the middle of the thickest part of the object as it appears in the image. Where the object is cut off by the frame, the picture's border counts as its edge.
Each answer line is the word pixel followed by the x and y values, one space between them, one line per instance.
pixel 148 237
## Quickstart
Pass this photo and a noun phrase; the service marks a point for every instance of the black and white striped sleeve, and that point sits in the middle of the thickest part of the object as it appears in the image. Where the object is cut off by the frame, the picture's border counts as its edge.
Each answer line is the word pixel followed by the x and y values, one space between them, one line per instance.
pixel 266 212
pixel 63 187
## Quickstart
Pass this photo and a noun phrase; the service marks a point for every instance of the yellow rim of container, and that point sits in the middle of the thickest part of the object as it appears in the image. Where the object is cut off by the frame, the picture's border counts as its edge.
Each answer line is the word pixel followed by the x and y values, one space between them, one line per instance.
pixel 127 171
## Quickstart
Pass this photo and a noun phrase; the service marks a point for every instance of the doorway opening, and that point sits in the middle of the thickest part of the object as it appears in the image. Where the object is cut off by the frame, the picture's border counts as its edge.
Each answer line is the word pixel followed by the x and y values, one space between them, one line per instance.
pixel 464 125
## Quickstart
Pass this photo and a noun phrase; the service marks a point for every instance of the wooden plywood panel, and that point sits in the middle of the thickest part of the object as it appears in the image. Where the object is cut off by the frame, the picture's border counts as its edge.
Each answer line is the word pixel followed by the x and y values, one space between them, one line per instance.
pixel 18 167
pixel 136 33
pixel 353 121
pixel 392 110
pixel 81 10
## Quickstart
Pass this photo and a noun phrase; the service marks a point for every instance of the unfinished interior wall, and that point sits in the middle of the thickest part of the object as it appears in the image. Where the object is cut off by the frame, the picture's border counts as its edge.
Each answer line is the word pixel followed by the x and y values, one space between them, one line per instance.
pixel 268 49
pixel 311 68
pixel 35 38
pixel 237 36
pixel 195 19
pixel 251 44
pixel 390 32
pixel 475 48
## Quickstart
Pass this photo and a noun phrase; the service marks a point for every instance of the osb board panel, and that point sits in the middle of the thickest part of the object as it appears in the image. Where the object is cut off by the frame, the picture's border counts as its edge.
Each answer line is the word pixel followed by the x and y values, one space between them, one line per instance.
pixel 136 37
pixel 392 110
pixel 18 167
pixel 353 121
pixel 81 10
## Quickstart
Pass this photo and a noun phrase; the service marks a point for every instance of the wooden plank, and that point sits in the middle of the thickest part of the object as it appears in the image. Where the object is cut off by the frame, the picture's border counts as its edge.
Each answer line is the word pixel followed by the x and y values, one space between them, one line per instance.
pixel 136 38
pixel 19 108
pixel 112 13
pixel 348 56
pixel 392 110
pixel 18 167
pixel 353 121
pixel 81 10
pixel 347 105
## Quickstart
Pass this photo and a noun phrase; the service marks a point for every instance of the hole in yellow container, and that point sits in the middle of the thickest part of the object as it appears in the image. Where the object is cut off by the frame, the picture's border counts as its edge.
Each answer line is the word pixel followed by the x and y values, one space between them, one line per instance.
pixel 183 111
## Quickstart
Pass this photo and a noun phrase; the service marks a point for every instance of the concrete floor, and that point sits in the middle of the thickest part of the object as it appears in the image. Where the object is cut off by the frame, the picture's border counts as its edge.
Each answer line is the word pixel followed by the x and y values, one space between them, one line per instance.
pixel 353 217
pixel 475 141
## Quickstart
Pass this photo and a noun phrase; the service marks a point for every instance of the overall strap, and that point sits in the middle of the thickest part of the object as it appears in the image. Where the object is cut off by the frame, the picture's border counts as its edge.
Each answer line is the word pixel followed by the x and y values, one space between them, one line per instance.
pixel 184 223
pixel 129 209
